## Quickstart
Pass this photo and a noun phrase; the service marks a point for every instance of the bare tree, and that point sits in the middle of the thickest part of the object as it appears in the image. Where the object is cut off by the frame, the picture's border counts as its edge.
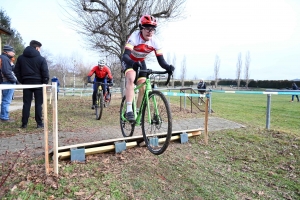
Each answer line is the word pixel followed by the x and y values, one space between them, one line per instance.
pixel 74 68
pixel 169 57
pixel 62 68
pixel 217 69
pixel 183 71
pixel 114 65
pixel 106 25
pixel 174 64
pixel 82 72
pixel 247 65
pixel 169 60
pixel 239 70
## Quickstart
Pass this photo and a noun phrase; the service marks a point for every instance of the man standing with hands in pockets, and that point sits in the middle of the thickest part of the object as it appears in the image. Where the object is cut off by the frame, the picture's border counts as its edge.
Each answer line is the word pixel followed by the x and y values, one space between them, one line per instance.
pixel 31 68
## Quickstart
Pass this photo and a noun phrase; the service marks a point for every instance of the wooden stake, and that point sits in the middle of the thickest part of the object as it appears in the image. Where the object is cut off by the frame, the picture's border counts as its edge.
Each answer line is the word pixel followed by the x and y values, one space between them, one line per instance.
pixel 45 110
pixel 55 129
pixel 206 122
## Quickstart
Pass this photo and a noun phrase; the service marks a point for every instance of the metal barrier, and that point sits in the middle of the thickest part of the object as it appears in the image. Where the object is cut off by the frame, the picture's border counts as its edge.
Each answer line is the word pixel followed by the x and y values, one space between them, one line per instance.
pixel 83 91
pixel 268 92
pixel 185 95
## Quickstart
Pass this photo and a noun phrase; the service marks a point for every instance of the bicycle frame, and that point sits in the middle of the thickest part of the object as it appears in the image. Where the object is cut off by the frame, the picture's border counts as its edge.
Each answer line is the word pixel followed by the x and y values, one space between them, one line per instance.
pixel 145 102
pixel 98 91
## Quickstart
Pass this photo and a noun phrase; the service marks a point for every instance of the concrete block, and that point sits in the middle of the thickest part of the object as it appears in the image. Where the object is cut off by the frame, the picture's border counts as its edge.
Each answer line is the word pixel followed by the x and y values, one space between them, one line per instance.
pixel 184 137
pixel 120 146
pixel 78 154
pixel 153 141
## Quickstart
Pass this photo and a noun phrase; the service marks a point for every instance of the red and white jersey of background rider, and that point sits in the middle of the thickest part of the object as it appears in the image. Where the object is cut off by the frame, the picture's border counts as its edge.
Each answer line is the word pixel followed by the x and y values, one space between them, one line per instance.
pixel 141 48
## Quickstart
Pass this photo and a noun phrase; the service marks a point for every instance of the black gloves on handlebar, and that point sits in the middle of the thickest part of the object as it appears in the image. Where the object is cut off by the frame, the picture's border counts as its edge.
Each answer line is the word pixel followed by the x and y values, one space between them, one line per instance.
pixel 111 82
pixel 89 80
pixel 136 66
pixel 170 69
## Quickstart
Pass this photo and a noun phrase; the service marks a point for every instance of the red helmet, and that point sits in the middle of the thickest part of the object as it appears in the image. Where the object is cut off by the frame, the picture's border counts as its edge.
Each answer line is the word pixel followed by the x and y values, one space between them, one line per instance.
pixel 148 19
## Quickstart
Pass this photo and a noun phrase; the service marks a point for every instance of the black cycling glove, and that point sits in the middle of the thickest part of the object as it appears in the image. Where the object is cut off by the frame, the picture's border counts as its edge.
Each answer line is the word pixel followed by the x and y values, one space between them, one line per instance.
pixel 170 69
pixel 89 79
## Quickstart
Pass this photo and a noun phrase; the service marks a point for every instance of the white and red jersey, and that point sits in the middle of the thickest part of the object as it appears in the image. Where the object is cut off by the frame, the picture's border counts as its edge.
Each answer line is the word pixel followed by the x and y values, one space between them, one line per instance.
pixel 140 48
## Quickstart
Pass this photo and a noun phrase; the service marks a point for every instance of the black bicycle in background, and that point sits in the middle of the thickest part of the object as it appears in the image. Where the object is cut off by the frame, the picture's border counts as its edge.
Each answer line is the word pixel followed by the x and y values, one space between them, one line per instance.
pixel 101 100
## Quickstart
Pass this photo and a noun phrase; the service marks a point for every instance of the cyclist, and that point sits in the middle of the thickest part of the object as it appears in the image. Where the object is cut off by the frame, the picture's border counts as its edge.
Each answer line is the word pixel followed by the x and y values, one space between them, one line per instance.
pixel 138 46
pixel 102 74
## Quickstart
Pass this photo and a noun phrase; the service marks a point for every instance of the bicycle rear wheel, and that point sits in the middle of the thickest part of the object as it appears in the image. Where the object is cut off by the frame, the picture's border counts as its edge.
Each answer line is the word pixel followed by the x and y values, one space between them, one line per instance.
pixel 127 128
pixel 99 105
pixel 157 123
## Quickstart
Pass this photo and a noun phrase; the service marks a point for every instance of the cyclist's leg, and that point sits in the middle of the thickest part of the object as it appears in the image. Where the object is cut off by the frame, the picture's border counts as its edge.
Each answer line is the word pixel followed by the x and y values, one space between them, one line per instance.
pixel 104 86
pixel 130 77
pixel 141 79
pixel 94 93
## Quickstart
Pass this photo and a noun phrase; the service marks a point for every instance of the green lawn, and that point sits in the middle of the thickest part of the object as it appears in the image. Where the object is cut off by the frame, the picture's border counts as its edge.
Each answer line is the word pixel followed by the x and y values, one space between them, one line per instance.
pixel 246 163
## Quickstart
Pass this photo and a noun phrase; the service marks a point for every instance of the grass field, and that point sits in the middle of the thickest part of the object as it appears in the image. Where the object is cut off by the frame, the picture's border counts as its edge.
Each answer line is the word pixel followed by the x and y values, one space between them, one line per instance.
pixel 247 163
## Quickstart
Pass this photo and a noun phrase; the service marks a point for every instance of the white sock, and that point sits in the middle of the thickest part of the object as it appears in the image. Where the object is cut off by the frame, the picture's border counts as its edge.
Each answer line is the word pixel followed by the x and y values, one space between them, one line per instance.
pixel 129 107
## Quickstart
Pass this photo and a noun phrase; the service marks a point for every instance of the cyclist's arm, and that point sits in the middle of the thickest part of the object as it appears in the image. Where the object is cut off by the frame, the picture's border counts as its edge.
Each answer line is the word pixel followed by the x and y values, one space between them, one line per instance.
pixel 162 62
pixel 126 57
pixel 93 70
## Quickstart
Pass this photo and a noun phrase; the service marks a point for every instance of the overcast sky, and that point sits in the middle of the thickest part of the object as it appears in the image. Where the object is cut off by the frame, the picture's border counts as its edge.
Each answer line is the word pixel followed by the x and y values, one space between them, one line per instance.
pixel 268 29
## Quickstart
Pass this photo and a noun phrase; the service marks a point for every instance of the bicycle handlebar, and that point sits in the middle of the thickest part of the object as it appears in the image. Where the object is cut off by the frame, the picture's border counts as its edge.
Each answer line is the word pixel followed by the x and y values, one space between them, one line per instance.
pixel 150 71
pixel 109 84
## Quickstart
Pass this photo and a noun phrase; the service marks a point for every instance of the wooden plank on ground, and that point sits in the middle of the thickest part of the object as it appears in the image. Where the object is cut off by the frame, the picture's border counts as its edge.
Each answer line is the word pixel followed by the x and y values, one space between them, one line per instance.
pixel 95 150
pixel 160 140
pixel 128 139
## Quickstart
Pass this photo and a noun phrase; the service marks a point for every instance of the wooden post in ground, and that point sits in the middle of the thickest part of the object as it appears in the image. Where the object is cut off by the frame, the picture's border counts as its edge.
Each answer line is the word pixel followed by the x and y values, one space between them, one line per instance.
pixel 206 122
pixel 50 98
pixel 55 128
pixel 45 110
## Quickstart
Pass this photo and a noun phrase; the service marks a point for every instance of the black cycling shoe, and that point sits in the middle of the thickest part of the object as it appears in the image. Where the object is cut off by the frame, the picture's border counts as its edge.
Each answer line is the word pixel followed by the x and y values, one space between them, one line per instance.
pixel 130 117
pixel 93 107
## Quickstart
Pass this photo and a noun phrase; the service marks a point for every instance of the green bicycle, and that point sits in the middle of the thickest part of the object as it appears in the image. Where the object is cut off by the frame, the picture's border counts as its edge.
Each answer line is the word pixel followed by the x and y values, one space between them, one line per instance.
pixel 154 116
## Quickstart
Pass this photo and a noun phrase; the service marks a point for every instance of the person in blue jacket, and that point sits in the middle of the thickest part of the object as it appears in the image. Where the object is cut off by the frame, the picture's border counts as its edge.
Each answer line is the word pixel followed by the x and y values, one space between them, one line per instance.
pixel 294 87
pixel 55 79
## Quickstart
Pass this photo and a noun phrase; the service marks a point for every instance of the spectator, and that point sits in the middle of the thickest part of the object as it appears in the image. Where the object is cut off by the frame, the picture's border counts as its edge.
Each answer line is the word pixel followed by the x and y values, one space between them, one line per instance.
pixel 201 90
pixel 55 79
pixel 8 78
pixel 31 68
pixel 294 87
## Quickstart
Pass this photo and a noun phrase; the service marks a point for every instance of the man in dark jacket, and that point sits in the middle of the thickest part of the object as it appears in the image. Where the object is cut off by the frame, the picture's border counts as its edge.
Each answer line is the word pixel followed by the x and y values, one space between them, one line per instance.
pixel 8 77
pixel 201 90
pixel 31 68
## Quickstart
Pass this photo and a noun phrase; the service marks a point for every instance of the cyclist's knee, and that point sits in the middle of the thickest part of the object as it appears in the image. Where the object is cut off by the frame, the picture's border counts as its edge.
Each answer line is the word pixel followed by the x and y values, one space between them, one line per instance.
pixel 141 80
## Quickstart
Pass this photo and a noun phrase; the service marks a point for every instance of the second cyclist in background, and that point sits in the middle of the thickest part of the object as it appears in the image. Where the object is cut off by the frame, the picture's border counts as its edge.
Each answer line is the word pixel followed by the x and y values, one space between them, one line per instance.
pixel 139 45
pixel 102 74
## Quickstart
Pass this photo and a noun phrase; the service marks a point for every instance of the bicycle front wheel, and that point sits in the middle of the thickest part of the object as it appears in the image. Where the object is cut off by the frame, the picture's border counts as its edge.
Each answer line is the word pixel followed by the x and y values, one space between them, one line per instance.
pixel 107 100
pixel 157 123
pixel 99 105
pixel 127 128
